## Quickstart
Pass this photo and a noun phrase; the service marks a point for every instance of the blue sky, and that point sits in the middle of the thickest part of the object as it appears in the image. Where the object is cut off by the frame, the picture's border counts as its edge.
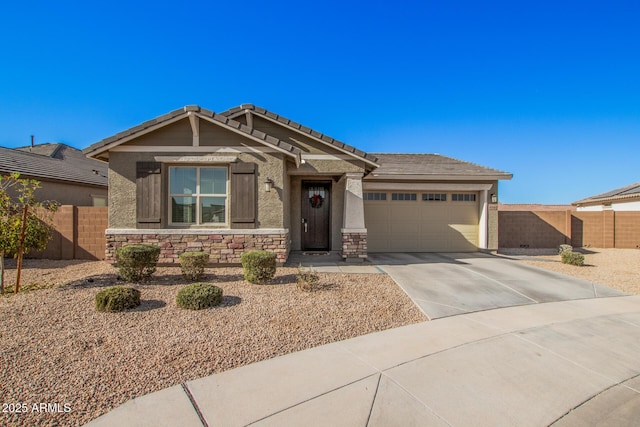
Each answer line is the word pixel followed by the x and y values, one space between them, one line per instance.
pixel 549 91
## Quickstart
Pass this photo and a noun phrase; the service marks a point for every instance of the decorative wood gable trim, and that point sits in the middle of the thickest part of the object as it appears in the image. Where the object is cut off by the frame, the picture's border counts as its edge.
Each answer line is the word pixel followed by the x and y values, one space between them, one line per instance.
pixel 307 132
pixel 257 136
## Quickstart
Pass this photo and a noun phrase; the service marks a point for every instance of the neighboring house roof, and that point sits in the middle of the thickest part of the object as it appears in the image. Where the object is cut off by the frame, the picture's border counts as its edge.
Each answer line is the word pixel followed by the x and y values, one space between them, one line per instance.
pixel 431 166
pixel 619 194
pixel 326 139
pixel 102 146
pixel 58 162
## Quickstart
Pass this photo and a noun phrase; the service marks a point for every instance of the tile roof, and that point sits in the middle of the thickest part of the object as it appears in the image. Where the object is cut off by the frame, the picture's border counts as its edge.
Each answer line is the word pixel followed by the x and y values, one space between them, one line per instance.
pixel 432 164
pixel 69 165
pixel 297 126
pixel 48 149
pixel 627 192
pixel 224 120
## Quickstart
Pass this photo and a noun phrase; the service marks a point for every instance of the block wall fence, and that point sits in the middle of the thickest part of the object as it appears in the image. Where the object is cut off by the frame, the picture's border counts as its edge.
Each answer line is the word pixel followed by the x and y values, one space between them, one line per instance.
pixel 80 232
pixel 549 229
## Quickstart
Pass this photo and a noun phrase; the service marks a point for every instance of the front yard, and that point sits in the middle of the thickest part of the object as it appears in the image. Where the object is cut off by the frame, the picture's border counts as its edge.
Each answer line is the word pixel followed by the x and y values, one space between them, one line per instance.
pixel 615 268
pixel 57 349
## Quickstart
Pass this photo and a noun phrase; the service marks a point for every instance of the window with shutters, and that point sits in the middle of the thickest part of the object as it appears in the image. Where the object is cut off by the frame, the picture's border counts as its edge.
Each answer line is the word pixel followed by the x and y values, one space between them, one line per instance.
pixel 198 195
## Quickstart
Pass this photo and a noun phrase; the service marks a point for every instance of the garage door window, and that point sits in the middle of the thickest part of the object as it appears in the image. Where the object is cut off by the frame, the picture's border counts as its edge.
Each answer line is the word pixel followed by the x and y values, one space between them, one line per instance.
pixel 434 197
pixel 404 196
pixel 374 196
pixel 463 197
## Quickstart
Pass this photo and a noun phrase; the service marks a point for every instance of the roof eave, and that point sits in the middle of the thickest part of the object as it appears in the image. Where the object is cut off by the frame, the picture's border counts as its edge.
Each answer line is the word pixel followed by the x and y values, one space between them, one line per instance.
pixel 438 177
pixel 595 202
pixel 296 127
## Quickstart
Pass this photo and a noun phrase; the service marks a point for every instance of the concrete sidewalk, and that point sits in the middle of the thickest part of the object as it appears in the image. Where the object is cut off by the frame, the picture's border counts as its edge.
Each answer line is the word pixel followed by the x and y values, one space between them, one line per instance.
pixel 573 362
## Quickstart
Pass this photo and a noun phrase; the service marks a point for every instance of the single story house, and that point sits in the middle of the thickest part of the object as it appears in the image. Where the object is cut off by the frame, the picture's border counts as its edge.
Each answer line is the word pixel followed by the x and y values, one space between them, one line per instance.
pixel 621 199
pixel 65 174
pixel 248 178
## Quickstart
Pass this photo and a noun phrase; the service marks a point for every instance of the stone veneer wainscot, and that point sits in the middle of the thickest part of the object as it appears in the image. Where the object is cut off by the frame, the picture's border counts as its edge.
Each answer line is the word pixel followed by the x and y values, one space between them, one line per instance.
pixel 224 246
pixel 354 245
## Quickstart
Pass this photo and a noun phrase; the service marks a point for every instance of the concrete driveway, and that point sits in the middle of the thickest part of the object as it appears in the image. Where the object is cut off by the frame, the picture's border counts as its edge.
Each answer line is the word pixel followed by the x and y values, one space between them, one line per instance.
pixel 447 284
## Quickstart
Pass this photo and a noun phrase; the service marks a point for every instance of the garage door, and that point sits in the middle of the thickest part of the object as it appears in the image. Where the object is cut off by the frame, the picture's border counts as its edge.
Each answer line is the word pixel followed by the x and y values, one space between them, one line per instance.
pixel 421 222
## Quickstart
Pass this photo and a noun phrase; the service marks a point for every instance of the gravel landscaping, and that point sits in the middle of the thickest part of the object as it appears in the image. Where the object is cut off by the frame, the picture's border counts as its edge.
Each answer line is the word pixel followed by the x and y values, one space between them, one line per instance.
pixel 615 268
pixel 56 348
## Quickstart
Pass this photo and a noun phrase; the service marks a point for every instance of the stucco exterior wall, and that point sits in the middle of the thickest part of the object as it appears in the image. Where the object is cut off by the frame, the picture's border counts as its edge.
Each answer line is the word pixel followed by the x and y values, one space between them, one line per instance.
pixel 122 185
pixel 630 206
pixel 270 205
pixel 313 166
pixel 68 193
pixel 122 181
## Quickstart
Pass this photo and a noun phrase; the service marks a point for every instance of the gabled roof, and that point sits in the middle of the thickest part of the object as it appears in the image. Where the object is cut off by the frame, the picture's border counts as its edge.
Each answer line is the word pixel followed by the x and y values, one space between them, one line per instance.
pixel 326 139
pixel 50 149
pixel 431 166
pixel 102 146
pixel 69 165
pixel 629 192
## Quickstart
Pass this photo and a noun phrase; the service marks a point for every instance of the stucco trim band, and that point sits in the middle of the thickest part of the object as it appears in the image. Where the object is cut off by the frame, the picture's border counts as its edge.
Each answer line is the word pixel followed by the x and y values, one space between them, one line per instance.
pixel 198 231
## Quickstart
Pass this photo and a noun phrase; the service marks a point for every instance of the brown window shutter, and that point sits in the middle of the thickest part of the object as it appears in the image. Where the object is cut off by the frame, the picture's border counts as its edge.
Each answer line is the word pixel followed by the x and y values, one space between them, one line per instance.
pixel 243 195
pixel 148 194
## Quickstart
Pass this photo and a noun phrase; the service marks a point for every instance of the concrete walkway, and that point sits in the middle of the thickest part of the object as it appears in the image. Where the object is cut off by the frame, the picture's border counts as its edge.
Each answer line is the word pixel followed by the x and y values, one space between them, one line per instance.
pixel 574 363
pixel 446 284
pixel 330 262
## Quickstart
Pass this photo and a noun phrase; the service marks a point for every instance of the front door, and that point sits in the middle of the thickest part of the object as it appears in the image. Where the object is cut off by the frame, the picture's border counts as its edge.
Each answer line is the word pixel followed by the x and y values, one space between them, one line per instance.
pixel 316 214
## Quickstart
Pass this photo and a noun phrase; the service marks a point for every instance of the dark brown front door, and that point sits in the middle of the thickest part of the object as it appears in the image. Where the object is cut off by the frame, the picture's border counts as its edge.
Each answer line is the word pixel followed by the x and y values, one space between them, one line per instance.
pixel 316 214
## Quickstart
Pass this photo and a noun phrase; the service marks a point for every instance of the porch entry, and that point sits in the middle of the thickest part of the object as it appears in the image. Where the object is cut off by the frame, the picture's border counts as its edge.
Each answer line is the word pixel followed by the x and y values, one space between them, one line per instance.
pixel 316 215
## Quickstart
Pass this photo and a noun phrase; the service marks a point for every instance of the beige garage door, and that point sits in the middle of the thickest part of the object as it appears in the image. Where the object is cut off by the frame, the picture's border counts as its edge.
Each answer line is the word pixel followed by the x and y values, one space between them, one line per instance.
pixel 421 222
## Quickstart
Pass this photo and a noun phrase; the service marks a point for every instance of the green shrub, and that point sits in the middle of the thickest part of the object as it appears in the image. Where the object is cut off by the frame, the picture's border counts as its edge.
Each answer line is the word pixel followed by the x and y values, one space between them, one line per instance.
pixel 307 280
pixel 259 266
pixel 192 265
pixel 573 258
pixel 137 262
pixel 197 296
pixel 117 298
pixel 565 248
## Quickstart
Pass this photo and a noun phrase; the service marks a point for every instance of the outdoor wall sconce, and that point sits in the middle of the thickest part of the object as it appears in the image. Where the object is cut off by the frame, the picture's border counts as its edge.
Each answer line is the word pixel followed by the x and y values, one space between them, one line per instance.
pixel 494 198
pixel 268 185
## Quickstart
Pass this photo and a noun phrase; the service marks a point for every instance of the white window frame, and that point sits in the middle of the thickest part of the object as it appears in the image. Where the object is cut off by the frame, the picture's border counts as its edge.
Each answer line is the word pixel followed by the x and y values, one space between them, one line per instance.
pixel 96 197
pixel 197 195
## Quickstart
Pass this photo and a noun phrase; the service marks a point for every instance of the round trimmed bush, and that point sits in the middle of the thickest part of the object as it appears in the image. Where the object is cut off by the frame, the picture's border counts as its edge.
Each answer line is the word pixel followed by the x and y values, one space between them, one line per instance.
pixel 117 298
pixel 197 296
pixel 259 266
pixel 137 262
pixel 192 264
pixel 573 258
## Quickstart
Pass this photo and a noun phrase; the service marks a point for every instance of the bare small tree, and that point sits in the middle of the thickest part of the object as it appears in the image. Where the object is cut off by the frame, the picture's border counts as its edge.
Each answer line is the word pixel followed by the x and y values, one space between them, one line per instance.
pixel 25 223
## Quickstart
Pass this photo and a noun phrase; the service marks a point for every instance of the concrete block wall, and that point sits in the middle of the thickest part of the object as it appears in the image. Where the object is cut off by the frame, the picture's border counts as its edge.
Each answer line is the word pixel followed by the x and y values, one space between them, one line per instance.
pixel 529 229
pixel 627 230
pixel 78 234
pixel 549 229
pixel 91 224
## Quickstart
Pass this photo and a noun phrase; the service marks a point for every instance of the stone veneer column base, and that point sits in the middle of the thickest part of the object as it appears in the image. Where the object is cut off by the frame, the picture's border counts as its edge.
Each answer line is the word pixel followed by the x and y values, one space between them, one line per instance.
pixel 223 246
pixel 354 245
